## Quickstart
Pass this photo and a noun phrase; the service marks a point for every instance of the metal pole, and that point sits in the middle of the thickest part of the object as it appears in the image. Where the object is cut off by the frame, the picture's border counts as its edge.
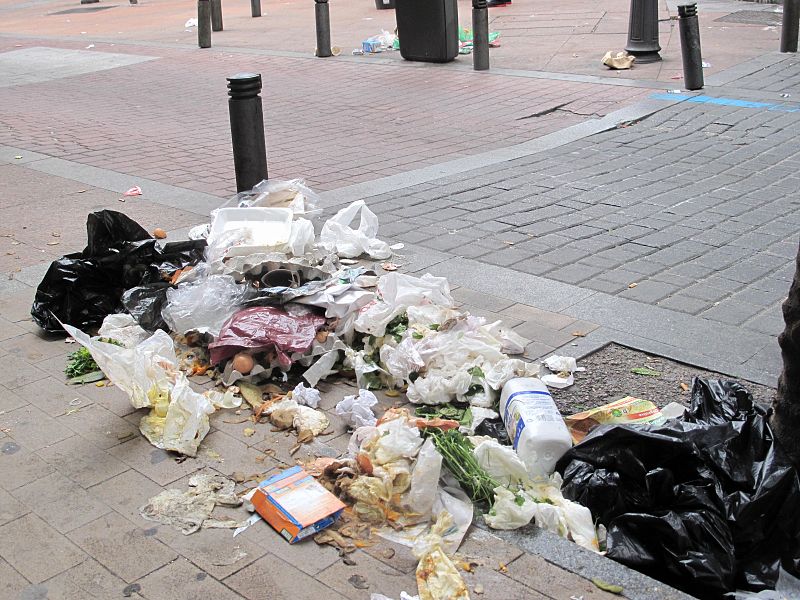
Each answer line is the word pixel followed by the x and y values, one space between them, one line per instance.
pixel 480 35
pixel 204 23
pixel 255 8
pixel 690 47
pixel 216 15
pixel 790 25
pixel 643 31
pixel 247 130
pixel 323 16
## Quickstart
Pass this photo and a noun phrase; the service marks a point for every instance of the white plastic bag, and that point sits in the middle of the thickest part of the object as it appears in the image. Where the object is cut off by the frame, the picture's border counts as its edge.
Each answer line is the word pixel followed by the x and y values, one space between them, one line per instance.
pixel 204 304
pixel 124 329
pixel 301 238
pixel 148 373
pixel 142 372
pixel 510 511
pixel 357 410
pixel 397 292
pixel 501 462
pixel 350 243
pixel 422 492
pixel 185 424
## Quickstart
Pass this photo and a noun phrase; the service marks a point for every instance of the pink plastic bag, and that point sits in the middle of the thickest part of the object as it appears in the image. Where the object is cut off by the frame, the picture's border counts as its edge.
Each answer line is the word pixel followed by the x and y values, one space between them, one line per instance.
pixel 264 328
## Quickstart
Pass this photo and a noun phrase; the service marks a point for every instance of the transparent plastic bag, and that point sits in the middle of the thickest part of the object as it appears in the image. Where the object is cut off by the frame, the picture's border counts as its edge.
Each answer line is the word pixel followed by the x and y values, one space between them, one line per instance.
pixel 204 304
pixel 351 243
pixel 124 329
pixel 293 194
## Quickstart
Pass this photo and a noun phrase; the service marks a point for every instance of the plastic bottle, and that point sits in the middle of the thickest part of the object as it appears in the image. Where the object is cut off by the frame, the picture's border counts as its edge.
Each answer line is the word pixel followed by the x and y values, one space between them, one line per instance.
pixel 534 424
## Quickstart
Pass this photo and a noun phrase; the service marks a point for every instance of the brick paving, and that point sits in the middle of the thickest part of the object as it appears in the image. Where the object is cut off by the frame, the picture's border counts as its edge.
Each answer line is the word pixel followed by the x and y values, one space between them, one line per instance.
pixel 167 119
pixel 693 209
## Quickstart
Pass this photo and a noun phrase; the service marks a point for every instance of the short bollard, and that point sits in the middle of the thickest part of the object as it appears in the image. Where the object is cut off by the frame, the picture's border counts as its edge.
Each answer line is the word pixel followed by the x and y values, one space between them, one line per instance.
pixel 216 15
pixel 323 28
pixel 247 130
pixel 480 35
pixel 690 47
pixel 204 23
pixel 790 25
pixel 255 8
pixel 643 31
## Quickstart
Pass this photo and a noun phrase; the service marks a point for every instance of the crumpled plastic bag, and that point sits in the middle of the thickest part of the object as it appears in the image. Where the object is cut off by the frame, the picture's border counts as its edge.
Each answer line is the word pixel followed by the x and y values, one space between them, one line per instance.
pixel 204 304
pixel 83 288
pixel 144 372
pixel 148 373
pixel 508 512
pixel 263 328
pixel 351 243
pixel 559 371
pixel 437 576
pixel 306 421
pixel 124 329
pixel 306 396
pixel 403 596
pixel 501 462
pixel 357 410
pixel 396 293
pixel 706 503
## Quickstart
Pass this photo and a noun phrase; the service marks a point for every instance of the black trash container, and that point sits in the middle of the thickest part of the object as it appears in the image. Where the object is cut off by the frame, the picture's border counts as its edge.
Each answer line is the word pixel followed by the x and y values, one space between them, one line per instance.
pixel 428 29
pixel 384 4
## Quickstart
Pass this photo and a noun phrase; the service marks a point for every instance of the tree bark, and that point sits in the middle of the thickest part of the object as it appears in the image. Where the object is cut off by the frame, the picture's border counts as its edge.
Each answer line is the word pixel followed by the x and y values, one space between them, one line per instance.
pixel 786 418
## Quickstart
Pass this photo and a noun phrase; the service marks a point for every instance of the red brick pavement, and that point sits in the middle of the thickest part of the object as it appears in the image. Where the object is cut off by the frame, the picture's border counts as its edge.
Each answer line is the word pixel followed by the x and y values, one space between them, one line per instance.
pixel 334 122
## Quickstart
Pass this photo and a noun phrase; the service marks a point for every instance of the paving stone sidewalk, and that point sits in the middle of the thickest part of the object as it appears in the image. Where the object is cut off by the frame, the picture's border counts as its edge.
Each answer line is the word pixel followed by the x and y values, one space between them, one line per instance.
pixel 694 209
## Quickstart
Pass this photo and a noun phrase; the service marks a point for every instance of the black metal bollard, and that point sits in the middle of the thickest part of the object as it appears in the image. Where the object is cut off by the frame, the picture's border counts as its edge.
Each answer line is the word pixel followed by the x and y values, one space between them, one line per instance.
pixel 247 130
pixel 204 23
pixel 480 35
pixel 216 15
pixel 255 8
pixel 643 31
pixel 323 28
pixel 790 25
pixel 690 47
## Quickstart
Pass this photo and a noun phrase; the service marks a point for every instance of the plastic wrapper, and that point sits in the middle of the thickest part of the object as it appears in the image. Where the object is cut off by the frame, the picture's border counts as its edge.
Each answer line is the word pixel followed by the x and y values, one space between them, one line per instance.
pixel 347 242
pixel 706 503
pixel 267 328
pixel 357 410
pixel 205 304
pixel 82 288
pixel 628 410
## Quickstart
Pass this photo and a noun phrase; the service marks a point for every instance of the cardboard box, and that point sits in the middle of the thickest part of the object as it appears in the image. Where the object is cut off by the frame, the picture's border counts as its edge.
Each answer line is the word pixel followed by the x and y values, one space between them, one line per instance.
pixel 295 504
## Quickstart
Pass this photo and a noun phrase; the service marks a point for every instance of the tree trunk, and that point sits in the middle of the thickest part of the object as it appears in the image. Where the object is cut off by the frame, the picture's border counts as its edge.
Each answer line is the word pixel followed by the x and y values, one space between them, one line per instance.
pixel 786 419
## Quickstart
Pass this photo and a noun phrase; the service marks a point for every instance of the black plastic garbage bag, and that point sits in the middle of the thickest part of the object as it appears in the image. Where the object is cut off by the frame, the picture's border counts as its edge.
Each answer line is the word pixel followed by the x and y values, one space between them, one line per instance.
pixel 82 288
pixel 144 303
pixel 707 503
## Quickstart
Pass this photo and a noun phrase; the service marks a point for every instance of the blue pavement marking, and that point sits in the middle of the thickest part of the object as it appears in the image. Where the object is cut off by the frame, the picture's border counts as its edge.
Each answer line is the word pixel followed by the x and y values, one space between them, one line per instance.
pixel 725 102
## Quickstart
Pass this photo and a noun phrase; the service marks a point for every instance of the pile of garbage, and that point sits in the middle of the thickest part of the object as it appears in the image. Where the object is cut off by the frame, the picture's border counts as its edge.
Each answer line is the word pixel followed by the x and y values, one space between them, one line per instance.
pixel 266 294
